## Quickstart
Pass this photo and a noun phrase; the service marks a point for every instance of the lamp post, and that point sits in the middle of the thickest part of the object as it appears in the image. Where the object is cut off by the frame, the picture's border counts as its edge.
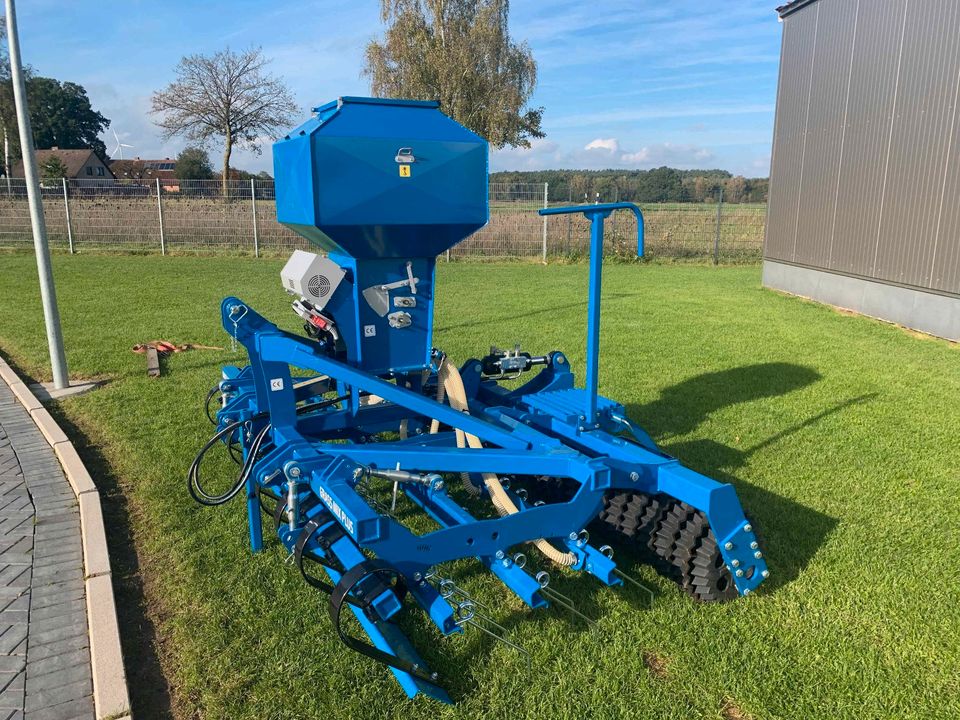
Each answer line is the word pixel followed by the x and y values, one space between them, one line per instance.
pixel 48 294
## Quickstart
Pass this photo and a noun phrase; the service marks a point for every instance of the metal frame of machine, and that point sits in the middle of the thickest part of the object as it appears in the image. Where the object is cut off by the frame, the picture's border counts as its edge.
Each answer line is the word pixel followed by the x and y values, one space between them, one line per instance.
pixel 315 418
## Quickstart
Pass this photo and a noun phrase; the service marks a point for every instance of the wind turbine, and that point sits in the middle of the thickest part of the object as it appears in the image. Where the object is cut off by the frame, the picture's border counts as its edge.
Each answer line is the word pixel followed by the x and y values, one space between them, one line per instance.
pixel 120 146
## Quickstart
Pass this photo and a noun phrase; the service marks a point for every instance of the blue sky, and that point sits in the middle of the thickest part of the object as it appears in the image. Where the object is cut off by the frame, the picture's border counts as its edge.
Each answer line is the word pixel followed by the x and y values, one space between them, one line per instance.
pixel 625 83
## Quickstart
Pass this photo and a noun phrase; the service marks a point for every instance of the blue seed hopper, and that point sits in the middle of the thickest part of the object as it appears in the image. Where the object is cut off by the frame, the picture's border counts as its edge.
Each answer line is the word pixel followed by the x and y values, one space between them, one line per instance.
pixel 346 431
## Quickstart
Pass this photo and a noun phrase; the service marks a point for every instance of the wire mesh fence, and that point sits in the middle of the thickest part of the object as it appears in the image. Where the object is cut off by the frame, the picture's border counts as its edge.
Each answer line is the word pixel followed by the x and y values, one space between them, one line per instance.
pixel 167 215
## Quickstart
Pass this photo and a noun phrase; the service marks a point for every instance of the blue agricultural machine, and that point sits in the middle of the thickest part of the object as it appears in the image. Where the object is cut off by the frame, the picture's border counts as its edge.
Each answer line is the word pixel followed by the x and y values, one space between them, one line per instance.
pixel 332 426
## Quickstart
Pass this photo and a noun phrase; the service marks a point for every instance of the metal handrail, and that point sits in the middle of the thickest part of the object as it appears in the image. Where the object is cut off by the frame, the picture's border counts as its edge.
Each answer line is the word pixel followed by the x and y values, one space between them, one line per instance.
pixel 596 214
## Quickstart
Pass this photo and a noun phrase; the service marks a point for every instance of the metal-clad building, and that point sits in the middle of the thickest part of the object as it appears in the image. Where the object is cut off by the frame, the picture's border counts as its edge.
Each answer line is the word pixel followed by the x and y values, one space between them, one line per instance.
pixel 864 209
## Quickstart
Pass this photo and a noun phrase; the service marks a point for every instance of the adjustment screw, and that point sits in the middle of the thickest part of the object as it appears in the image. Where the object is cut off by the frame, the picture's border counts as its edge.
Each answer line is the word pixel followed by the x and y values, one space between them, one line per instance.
pixel 754 545
pixel 758 554
pixel 728 546
pixel 748 528
pixel 634 476
pixel 739 573
pixel 735 563
pixel 765 573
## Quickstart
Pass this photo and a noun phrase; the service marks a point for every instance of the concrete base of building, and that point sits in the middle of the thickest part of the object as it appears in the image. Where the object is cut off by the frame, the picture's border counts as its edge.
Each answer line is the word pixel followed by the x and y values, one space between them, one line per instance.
pixel 924 311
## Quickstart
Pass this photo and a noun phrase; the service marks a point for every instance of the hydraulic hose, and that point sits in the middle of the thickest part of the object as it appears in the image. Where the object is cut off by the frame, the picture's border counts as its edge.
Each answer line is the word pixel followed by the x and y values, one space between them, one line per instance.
pixel 449 378
pixel 193 474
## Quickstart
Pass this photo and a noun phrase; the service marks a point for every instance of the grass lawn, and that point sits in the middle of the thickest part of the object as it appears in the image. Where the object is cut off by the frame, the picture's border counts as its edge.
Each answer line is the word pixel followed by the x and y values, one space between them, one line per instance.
pixel 840 434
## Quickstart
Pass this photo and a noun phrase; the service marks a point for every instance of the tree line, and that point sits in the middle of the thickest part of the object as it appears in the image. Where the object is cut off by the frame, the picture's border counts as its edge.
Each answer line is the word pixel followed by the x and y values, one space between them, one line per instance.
pixel 661 184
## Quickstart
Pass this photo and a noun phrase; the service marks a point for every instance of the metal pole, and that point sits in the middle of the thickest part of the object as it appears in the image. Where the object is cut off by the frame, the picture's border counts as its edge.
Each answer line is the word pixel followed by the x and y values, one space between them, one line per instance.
pixel 546 189
pixel 66 208
pixel 716 240
pixel 163 244
pixel 253 203
pixel 593 315
pixel 48 293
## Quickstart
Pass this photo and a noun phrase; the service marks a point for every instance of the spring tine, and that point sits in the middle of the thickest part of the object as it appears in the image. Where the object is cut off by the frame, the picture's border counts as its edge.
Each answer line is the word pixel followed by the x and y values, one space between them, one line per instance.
pixel 447 587
pixel 490 620
pixel 565 602
pixel 635 582
pixel 492 634
pixel 393 501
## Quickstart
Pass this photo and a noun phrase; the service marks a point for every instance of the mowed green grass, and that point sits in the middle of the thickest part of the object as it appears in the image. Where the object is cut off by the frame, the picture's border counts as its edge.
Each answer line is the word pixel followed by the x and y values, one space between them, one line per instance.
pixel 840 434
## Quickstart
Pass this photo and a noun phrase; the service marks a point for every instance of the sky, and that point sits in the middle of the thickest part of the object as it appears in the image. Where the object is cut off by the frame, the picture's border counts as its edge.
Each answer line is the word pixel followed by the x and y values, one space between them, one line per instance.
pixel 624 83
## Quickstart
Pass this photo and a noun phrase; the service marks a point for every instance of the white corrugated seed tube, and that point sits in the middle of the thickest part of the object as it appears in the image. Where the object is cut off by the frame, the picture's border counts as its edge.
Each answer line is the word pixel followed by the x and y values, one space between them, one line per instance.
pixel 451 384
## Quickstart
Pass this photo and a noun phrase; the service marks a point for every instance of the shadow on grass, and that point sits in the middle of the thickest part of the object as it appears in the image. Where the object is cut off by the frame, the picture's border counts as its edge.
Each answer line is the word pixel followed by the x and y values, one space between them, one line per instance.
pixel 149 690
pixel 791 533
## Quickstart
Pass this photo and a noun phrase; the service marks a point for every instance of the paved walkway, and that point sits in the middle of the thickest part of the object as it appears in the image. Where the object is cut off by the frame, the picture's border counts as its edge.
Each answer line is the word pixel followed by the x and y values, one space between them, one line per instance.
pixel 45 671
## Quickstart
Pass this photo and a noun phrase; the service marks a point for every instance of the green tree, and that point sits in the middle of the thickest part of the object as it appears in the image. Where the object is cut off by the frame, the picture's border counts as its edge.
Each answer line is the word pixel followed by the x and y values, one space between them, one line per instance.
pixel 53 168
pixel 193 163
pixel 61 116
pixel 227 96
pixel 458 52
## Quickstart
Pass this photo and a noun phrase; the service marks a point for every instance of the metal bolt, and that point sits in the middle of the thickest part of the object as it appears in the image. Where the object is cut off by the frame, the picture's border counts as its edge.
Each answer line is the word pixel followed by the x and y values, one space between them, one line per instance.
pixel 573 536
pixel 434 676
pixel 295 471
pixel 748 528
pixel 758 554
pixel 499 555
pixel 634 476
pixel 417 577
pixel 728 546
pixel 739 573
pixel 735 563
pixel 747 591
pixel 765 573
pixel 582 418
pixel 754 545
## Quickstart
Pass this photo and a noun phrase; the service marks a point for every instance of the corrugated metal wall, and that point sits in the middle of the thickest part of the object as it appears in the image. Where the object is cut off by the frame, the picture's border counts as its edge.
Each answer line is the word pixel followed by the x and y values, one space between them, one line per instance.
pixel 865 175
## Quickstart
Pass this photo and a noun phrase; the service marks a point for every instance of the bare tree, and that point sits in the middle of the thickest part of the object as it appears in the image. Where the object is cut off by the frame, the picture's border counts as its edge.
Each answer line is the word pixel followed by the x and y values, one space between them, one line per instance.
pixel 458 52
pixel 227 96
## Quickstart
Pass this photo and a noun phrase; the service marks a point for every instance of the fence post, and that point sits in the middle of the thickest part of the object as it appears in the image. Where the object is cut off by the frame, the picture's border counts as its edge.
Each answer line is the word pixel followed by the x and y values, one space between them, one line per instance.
pixel 716 239
pixel 546 189
pixel 66 208
pixel 253 203
pixel 163 245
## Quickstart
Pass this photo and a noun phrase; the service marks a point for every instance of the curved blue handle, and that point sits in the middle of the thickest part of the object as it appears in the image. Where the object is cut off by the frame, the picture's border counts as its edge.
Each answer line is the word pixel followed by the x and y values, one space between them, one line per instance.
pixel 604 210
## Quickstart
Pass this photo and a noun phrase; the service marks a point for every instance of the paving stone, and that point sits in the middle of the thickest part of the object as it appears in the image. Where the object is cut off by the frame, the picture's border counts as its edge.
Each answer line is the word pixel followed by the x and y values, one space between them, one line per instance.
pixel 60 678
pixel 71 710
pixel 57 610
pixel 45 669
pixel 63 661
pixel 42 652
pixel 63 694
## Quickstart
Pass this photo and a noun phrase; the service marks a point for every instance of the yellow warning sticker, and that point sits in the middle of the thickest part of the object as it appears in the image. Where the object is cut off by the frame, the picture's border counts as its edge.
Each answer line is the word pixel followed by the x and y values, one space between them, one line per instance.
pixel 404 171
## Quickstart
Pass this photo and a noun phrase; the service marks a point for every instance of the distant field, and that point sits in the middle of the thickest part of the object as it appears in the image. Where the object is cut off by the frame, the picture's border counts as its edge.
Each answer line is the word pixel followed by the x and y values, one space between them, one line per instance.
pixel 839 434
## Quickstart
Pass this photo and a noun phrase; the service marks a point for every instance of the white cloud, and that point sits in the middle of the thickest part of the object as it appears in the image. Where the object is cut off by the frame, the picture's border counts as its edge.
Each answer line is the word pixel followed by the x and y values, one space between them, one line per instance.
pixel 600 154
pixel 609 144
